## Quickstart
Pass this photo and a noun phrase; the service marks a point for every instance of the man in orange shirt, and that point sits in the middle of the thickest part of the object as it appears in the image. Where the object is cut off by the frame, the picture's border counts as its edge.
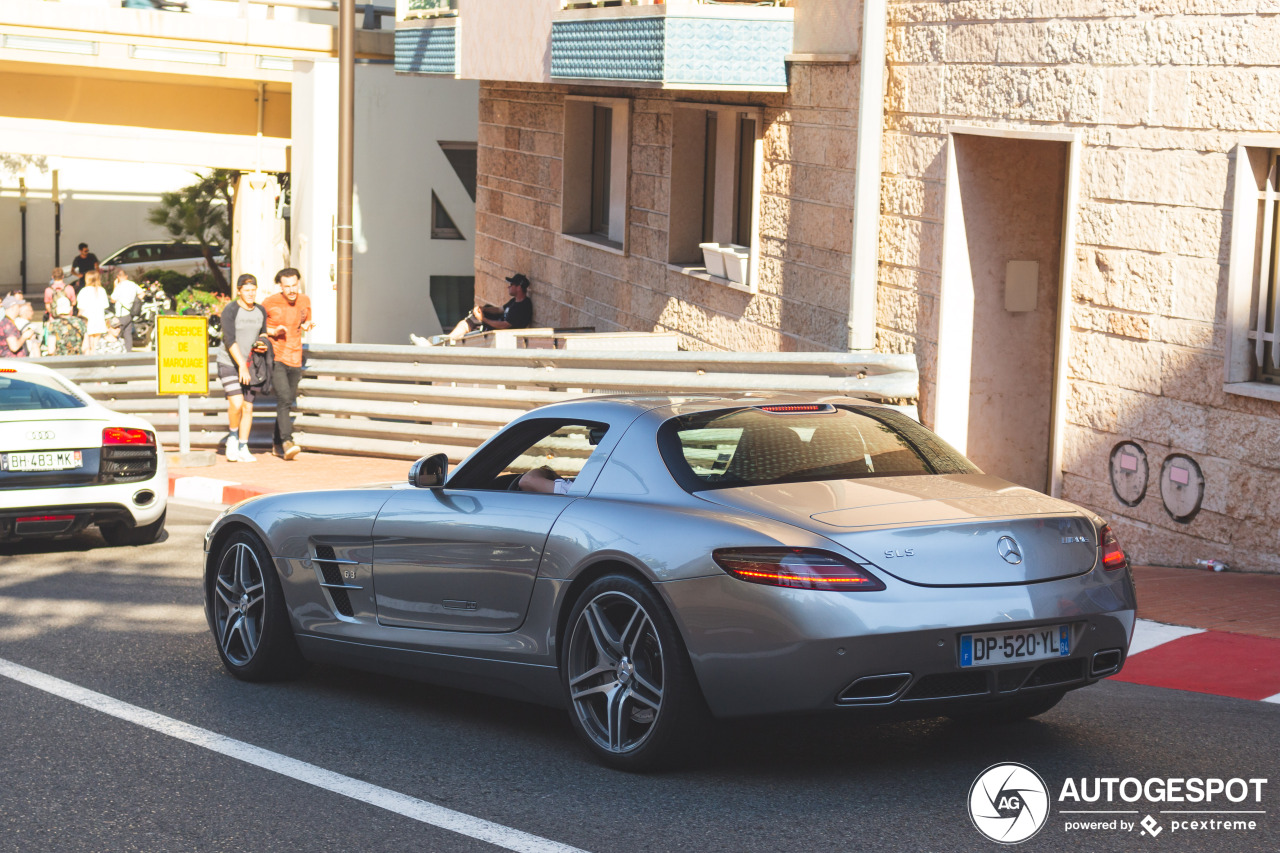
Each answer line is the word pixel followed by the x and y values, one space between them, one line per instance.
pixel 288 316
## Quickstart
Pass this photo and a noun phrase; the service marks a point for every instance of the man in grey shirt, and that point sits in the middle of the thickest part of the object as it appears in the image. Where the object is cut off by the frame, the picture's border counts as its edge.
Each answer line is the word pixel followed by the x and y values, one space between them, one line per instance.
pixel 242 322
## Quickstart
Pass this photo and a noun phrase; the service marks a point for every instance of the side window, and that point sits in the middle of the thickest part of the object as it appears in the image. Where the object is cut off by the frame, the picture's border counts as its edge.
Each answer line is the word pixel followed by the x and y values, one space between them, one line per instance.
pixel 131 255
pixel 564 447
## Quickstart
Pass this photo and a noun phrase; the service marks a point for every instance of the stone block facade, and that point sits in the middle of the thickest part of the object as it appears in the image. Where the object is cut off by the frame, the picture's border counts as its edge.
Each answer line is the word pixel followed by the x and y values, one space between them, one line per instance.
pixel 1158 95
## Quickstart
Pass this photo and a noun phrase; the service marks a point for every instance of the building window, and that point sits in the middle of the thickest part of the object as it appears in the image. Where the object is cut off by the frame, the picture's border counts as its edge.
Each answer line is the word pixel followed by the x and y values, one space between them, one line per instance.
pixel 452 296
pixel 596 145
pixel 1253 306
pixel 442 224
pixel 462 157
pixel 714 174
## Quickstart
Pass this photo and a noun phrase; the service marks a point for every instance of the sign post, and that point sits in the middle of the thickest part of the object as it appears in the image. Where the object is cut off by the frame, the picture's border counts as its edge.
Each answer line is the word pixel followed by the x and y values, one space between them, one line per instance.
pixel 182 368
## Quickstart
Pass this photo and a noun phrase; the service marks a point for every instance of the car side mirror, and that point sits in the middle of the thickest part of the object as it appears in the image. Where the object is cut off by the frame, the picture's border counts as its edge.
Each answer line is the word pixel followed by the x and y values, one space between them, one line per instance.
pixel 429 472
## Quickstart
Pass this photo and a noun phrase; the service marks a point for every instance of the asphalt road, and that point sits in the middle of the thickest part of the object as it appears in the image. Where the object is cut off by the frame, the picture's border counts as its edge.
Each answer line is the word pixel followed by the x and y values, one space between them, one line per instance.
pixel 127 623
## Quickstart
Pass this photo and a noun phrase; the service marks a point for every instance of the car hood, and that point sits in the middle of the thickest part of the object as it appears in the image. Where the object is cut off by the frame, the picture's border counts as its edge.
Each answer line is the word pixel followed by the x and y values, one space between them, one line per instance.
pixel 935 530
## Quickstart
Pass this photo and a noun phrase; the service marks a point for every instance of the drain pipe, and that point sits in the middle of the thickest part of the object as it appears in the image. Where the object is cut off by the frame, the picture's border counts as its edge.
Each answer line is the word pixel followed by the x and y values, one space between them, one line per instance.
pixel 866 179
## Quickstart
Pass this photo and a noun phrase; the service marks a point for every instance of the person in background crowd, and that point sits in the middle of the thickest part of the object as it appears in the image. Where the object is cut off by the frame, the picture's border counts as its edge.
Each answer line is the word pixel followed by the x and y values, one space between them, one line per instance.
pixel 57 287
pixel 94 304
pixel 13 340
pixel 242 322
pixel 288 317
pixel 83 263
pixel 111 343
pixel 64 333
pixel 127 298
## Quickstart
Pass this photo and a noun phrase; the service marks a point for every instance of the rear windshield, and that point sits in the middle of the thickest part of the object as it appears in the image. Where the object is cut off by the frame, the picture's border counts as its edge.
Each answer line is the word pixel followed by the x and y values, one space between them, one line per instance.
pixel 751 447
pixel 33 392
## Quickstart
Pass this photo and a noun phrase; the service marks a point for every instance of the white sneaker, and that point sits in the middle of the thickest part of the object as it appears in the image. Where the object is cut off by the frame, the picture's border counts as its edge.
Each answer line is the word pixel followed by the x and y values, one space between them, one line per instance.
pixel 244 454
pixel 419 340
pixel 233 449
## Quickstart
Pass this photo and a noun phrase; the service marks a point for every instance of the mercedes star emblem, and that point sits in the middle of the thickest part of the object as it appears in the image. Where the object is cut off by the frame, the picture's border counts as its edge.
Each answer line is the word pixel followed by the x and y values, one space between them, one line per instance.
pixel 1008 549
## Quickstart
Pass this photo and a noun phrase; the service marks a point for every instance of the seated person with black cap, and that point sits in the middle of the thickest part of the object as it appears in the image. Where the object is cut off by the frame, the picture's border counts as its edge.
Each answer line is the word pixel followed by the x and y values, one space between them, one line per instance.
pixel 516 313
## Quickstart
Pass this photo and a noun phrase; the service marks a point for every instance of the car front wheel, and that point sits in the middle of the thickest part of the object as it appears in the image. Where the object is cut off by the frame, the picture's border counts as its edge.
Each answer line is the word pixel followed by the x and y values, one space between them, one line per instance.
pixel 628 682
pixel 250 619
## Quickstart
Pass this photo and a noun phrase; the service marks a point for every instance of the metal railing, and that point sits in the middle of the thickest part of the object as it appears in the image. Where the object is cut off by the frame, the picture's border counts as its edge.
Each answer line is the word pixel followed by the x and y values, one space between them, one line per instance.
pixel 406 402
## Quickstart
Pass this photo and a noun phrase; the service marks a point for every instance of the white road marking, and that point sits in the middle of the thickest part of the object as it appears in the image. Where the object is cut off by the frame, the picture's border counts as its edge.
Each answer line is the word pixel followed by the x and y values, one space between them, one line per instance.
pixel 1147 635
pixel 1275 699
pixel 383 798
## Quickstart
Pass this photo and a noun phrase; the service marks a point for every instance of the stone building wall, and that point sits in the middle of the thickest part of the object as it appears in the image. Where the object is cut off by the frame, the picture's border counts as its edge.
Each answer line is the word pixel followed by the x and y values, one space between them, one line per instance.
pixel 805 218
pixel 1161 93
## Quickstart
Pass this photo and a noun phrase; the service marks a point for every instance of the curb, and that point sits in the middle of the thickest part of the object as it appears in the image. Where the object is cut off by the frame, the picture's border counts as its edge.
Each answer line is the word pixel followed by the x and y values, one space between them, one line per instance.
pixel 210 490
pixel 1215 662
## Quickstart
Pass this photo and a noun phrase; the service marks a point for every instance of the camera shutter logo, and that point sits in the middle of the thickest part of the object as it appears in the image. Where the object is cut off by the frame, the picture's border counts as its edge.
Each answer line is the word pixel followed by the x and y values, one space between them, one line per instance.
pixel 1008 803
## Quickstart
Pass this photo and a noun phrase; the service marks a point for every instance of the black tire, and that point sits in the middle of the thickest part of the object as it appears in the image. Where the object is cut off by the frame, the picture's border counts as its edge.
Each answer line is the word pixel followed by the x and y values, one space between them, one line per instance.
pixel 1012 710
pixel 628 682
pixel 250 619
pixel 118 533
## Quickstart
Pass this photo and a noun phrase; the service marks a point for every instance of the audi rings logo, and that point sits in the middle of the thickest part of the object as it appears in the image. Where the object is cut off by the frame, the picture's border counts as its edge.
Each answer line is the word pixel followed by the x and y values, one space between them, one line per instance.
pixel 1008 549
pixel 1008 803
pixel 40 435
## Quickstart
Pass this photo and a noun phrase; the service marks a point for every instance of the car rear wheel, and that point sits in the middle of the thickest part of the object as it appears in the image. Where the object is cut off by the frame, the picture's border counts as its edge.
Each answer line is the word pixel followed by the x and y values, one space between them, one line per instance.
pixel 628 682
pixel 250 619
pixel 1012 710
pixel 117 533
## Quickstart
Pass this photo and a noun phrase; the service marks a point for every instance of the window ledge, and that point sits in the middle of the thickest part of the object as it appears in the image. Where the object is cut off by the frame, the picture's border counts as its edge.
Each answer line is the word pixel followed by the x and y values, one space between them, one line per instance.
pixel 597 242
pixel 700 272
pixel 1260 390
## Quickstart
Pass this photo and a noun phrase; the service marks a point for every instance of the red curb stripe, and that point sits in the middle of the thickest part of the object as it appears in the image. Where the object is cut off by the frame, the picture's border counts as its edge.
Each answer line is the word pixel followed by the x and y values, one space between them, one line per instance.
pixel 1214 662
pixel 235 494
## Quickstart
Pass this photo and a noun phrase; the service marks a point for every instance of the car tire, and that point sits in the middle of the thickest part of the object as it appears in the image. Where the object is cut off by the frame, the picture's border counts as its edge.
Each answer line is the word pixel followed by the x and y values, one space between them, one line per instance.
pixel 250 620
pixel 1012 710
pixel 630 688
pixel 118 533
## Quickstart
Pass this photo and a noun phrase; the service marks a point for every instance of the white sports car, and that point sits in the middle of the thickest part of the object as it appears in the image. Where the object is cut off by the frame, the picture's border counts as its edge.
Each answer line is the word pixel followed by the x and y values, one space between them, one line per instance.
pixel 67 462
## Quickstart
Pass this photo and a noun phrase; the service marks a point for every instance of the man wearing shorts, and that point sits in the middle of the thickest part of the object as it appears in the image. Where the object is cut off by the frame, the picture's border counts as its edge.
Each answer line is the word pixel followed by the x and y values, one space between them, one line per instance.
pixel 242 322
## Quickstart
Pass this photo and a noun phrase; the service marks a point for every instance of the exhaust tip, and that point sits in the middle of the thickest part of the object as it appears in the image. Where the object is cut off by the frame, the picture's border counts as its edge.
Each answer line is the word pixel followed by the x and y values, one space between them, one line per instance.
pixel 143 497
pixel 872 689
pixel 1106 662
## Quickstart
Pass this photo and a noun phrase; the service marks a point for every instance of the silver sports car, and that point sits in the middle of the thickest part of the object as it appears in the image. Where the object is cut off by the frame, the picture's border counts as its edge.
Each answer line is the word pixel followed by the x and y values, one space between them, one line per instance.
pixel 650 562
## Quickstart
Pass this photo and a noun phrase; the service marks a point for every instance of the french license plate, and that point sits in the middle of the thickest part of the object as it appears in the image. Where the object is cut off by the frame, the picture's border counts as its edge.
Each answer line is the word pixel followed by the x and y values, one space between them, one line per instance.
pixel 43 460
pixel 997 647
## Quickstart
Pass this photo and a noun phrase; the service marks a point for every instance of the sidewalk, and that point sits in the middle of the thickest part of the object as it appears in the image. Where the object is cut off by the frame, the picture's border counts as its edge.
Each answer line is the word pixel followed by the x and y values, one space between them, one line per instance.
pixel 1229 602
pixel 229 482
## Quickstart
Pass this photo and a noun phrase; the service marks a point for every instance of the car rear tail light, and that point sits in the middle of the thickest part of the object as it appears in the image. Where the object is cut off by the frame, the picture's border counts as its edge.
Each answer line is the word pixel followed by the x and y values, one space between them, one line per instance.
pixel 795 568
pixel 797 408
pixel 31 519
pixel 122 435
pixel 1113 557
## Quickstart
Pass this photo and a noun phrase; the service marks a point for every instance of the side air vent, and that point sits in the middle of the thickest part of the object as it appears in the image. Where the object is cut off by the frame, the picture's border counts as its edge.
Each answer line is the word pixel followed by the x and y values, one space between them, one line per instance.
pixel 333 580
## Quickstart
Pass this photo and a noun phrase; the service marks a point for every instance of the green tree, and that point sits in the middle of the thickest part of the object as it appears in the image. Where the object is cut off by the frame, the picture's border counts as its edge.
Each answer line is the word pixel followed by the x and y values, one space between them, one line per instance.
pixel 17 164
pixel 203 213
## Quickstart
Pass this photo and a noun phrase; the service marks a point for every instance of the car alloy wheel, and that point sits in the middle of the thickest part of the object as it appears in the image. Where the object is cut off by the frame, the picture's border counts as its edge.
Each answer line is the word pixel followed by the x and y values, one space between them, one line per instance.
pixel 630 688
pixel 239 603
pixel 249 617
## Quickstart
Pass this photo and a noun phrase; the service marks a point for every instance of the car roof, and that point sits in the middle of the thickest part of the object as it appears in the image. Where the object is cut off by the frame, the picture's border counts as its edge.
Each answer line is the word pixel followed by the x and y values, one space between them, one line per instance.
pixel 673 405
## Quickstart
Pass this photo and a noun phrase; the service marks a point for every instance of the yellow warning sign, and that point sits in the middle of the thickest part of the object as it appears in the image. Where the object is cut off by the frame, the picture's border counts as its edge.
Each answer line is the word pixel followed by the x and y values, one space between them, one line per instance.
pixel 182 355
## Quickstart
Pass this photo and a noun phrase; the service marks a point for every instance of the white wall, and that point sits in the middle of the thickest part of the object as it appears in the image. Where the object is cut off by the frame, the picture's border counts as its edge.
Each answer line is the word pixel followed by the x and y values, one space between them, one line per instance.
pixel 398 163
pixel 104 204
